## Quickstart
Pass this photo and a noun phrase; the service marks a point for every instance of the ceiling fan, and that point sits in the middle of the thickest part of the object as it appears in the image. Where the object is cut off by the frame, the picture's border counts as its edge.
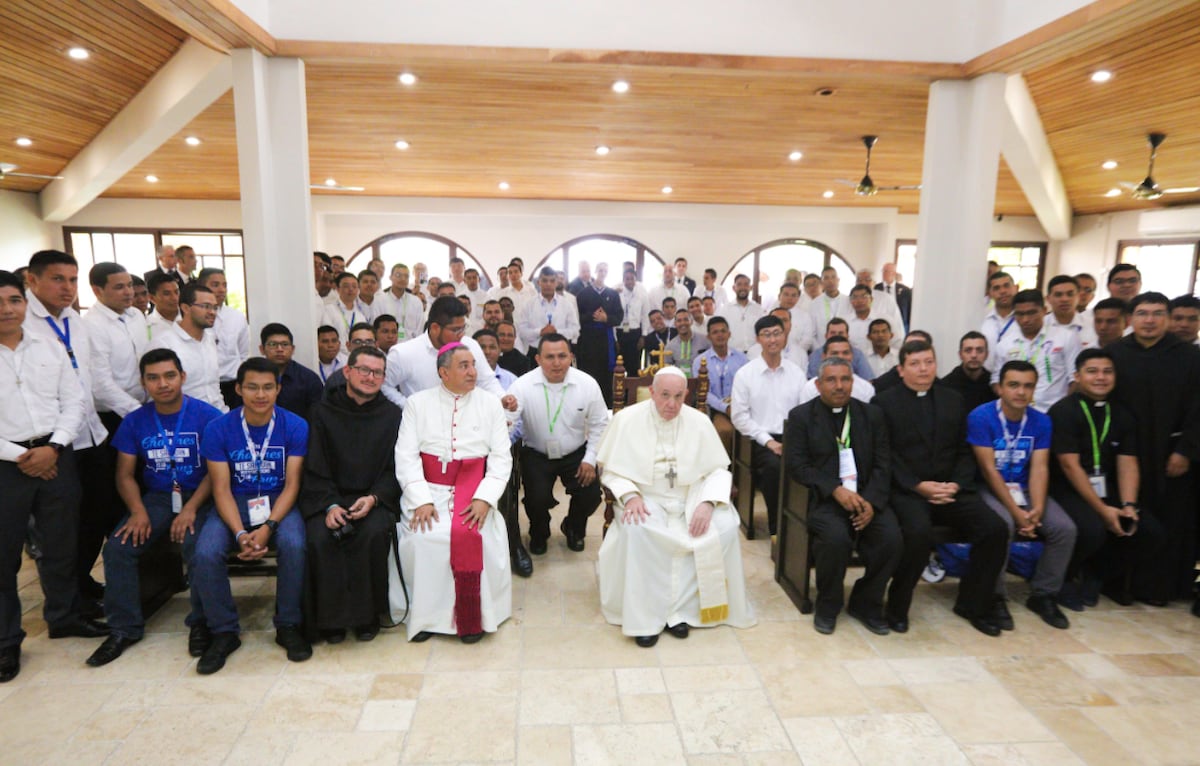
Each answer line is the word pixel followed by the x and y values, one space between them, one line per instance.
pixel 1149 188
pixel 866 187
pixel 7 168
pixel 332 185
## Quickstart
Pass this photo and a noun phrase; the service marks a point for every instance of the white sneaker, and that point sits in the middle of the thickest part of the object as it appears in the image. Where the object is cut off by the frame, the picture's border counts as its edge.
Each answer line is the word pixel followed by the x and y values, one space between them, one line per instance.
pixel 934 571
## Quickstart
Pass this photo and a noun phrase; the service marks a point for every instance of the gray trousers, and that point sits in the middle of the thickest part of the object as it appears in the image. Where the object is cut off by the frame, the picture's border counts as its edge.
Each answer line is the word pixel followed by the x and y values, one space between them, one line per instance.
pixel 1057 534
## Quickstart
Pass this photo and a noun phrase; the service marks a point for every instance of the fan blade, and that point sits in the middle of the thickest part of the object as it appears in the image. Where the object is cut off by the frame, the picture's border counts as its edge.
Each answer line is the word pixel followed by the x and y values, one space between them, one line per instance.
pixel 326 187
pixel 1127 185
pixel 1182 190
pixel 35 175
pixel 899 188
pixel 845 182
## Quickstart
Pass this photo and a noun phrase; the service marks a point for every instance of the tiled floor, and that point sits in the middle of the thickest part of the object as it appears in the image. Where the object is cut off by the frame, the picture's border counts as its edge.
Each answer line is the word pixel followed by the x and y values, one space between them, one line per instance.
pixel 558 685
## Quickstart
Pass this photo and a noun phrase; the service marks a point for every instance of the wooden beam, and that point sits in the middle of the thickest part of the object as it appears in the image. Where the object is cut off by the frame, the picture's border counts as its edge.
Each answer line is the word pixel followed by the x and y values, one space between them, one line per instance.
pixel 219 24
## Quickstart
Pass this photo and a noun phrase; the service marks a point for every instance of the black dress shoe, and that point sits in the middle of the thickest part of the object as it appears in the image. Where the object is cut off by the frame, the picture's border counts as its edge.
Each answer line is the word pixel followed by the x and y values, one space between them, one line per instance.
pixel 574 541
pixel 1000 614
pixel 824 625
pixel 10 663
pixel 982 624
pixel 223 645
pixel 112 648
pixel 537 547
pixel 80 629
pixel 875 624
pixel 1119 594
pixel 1048 610
pixel 290 638
pixel 91 609
pixel 1155 602
pixel 679 631
pixel 421 637
pixel 336 636
pixel 471 638
pixel 1071 597
pixel 366 632
pixel 898 624
pixel 646 641
pixel 199 639
pixel 521 563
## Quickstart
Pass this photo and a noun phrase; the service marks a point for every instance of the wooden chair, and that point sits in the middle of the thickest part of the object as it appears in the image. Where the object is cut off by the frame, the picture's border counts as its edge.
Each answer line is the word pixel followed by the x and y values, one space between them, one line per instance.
pixel 632 389
pixel 744 482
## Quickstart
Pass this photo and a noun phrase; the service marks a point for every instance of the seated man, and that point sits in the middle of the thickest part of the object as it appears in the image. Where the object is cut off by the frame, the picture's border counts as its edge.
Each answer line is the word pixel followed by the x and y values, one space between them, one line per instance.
pixel 362 335
pixel 971 379
pixel 350 498
pixel 674 556
pixel 1011 441
pixel 453 460
pixel 255 459
pixel 838 327
pixel 793 349
pixel 839 448
pixel 299 387
pixel 723 363
pixel 164 436
pixel 686 346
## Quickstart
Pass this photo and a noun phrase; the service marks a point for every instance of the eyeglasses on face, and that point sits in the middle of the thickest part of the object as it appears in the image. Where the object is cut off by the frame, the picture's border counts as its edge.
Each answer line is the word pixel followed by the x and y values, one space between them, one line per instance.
pixel 368 372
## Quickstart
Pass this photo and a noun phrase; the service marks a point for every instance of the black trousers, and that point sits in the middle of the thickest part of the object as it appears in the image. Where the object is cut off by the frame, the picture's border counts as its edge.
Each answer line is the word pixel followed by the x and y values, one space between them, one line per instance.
pixel 1102 556
pixel 100 507
pixel 627 349
pixel 509 508
pixel 54 506
pixel 765 464
pixel 833 540
pixel 1173 504
pixel 538 473
pixel 970 519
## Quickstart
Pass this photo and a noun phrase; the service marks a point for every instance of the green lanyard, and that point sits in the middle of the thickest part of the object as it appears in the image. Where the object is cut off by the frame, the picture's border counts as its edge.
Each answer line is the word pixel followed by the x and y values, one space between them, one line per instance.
pixel 561 399
pixel 1032 358
pixel 844 441
pixel 685 349
pixel 1103 432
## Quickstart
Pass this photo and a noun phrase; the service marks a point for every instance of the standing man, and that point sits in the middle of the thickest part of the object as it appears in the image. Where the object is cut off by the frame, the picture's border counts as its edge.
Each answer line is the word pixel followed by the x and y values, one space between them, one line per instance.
pixel 1185 319
pixel 186 256
pixel 792 349
pixel 489 343
pixel 402 304
pixel 723 364
pixel 453 461
pixel 347 310
pixel 361 336
pixel 840 328
pixel 368 293
pixel 1110 319
pixel 635 305
pixel 882 303
pixel 830 303
pixel 501 282
pixel 518 291
pixel 681 276
pixel 801 332
pixel 1051 350
pixel 299 387
pixel 117 334
pixel 1063 296
pixel 163 437
pixel 329 352
pixel 339 265
pixel 476 293
pixel 192 341
pixel 764 392
pixel 838 347
pixel 511 358
pixel 230 331
pixel 710 289
pixel 839 447
pixel 862 314
pixel 970 378
pixel 583 278
pixel 167 265
pixel 387 332
pixel 883 356
pixel 901 293
pixel 669 288
pixel 686 346
pixel 37 470
pixel 1124 282
pixel 599 312
pixel 563 417
pixel 658 337
pixel 458 276
pixel 1087 291
pixel 742 315
pixel 999 322
pixel 165 292
pixel 141 295
pixel 255 459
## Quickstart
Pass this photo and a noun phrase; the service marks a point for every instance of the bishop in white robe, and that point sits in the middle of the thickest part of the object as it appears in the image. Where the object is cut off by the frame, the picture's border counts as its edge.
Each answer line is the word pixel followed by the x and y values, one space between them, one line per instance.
pixel 453 461
pixel 673 558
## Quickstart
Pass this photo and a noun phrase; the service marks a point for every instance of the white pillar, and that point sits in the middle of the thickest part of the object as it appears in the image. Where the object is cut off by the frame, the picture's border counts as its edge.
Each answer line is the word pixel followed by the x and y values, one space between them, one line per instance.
pixel 272 143
pixel 963 131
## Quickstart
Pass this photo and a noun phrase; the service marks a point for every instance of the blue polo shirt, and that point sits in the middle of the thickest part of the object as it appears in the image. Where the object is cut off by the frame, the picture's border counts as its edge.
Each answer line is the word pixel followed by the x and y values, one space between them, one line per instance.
pixel 140 435
pixel 1014 446
pixel 225 442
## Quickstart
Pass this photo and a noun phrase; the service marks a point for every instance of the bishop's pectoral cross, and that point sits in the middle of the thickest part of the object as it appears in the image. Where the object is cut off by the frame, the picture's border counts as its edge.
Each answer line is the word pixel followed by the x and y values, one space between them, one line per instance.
pixel 671 475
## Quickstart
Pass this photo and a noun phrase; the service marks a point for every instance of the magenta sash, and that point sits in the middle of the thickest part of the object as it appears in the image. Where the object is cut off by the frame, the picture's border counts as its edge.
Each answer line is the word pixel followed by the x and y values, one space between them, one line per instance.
pixel 466 544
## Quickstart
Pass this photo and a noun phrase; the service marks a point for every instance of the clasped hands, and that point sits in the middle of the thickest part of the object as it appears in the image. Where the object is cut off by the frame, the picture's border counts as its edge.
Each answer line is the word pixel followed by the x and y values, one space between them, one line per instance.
pixel 861 512
pixel 338 516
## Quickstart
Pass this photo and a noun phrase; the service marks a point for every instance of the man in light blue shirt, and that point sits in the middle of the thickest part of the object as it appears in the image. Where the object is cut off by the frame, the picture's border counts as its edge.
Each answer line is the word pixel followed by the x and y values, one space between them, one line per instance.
pixel 722 364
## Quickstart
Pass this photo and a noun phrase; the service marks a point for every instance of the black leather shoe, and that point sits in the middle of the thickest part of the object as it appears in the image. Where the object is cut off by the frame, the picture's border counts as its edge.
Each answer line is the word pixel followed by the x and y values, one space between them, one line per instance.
pixel 537 547
pixel 574 541
pixel 366 632
pixel 80 629
pixel 1048 610
pixel 223 645
pixel 290 638
pixel 1071 597
pixel 824 625
pixel 91 609
pixel 521 563
pixel 875 624
pixel 1155 602
pixel 679 631
pixel 898 624
pixel 471 638
pixel 1000 614
pixel 646 641
pixel 199 639
pixel 112 648
pixel 10 663
pixel 1119 594
pixel 982 624
pixel 334 636
pixel 421 637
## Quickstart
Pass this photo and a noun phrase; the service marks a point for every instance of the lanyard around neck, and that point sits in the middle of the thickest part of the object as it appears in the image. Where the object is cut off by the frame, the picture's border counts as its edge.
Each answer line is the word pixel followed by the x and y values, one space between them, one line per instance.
pixel 553 420
pixel 1009 445
pixel 64 337
pixel 255 455
pixel 169 438
pixel 1096 442
pixel 844 440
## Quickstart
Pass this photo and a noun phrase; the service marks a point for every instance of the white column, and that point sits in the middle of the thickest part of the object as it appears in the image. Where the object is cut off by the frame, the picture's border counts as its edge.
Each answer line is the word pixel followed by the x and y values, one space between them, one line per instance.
pixel 963 131
pixel 272 142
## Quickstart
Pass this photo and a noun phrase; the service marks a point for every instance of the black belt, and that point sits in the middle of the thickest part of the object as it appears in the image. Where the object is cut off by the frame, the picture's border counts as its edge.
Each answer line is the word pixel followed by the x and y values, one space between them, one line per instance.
pixel 34 443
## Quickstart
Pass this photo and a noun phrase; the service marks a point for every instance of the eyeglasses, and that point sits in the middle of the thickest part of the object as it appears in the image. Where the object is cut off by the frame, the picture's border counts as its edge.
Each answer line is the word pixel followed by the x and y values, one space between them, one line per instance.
pixel 771 334
pixel 205 306
pixel 278 344
pixel 368 372
pixel 360 342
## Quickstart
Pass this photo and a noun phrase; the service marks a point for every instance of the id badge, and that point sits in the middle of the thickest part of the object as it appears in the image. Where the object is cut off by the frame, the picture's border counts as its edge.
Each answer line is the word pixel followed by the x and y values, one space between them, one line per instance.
pixel 1099 484
pixel 260 510
pixel 554 449
pixel 848 469
pixel 176 499
pixel 1017 494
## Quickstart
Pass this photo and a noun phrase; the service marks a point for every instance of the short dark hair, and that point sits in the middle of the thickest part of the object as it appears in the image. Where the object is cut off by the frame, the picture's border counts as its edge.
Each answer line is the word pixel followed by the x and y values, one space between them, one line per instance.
pixel 469 272
pixel 275 328
pixel 1017 365
pixel 158 356
pixel 1029 296
pixel 1111 303
pixel 365 351
pixel 205 273
pixel 914 347
pixel 257 364
pixel 1084 275
pixel 1151 297
pixel 828 268
pixel 711 272
pixel 1185 302
pixel 766 323
pixel 552 337
pixel 1062 279
pixel 42 259
pixel 835 339
pixel 695 298
pixel 98 275
pixel 860 288
pixel 187 296
pixel 325 329
pixel 445 310
pixel 811 275
pixel 366 273
pixel 972 335
pixel 455 259
pixel 741 276
pixel 1089 354
pixel 343 277
pixel 9 279
pixel 880 321
pixel 681 258
pixel 361 327
pixel 138 281
pixel 323 256
pixel 486 333
pixel 1000 275
pixel 717 320
pixel 836 320
pixel 652 312
pixel 786 285
pixel 1115 270
pixel 384 318
pixel 338 258
pixel 157 280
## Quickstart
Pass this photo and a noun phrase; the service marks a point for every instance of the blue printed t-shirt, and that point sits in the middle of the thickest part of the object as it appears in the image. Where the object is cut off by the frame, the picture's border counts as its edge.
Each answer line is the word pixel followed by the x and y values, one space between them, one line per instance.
pixel 984 430
pixel 139 435
pixel 225 442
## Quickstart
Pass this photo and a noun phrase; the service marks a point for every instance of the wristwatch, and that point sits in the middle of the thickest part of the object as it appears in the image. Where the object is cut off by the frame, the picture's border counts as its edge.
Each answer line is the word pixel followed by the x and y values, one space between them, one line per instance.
pixel 1130 504
pixel 272 525
pixel 57 447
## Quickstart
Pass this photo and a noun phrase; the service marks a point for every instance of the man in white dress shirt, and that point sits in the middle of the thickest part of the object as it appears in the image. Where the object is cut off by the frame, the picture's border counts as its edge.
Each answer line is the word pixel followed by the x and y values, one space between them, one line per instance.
pixel 368 293
pixel 668 288
pixel 117 334
pixel 710 289
pixel 402 304
pixel 231 333
pixel 862 313
pixel 741 315
pixel 830 303
pixel 476 293
pixel 165 292
pixel 635 306
pixel 1063 296
pixel 517 290
pixel 1051 350
pixel 999 322
pixel 764 392
pixel 458 276
pixel 793 350
pixel 453 461
pixel 548 313
pixel 882 356
pixel 882 302
pixel 801 330
pixel 191 338
pixel 838 348
pixel 347 310
pixel 673 558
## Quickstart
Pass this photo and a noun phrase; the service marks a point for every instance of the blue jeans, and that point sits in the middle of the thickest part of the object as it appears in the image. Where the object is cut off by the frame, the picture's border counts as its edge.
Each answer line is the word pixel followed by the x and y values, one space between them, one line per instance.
pixel 210 575
pixel 122 594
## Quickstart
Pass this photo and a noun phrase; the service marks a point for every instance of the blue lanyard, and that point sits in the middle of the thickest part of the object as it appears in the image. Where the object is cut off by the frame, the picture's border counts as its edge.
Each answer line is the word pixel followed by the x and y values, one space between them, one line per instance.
pixel 1004 329
pixel 255 455
pixel 64 336
pixel 169 438
pixel 321 368
pixel 1009 445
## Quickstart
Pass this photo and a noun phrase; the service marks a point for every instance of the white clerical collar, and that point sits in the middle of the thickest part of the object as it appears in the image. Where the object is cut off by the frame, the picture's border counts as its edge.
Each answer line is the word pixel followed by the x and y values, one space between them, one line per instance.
pixel 836 410
pixel 922 393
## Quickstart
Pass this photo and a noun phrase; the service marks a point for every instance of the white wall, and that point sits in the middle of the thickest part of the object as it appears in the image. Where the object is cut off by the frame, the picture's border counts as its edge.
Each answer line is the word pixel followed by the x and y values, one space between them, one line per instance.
pixel 22 231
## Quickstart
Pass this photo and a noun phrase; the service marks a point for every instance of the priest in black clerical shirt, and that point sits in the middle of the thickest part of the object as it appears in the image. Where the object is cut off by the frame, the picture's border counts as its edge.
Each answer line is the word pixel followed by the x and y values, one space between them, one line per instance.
pixel 599 312
pixel 970 378
pixel 838 447
pixel 350 498
pixel 891 378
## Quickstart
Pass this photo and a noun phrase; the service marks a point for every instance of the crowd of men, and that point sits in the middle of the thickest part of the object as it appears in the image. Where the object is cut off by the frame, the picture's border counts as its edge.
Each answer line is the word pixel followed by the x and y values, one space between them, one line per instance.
pixel 385 479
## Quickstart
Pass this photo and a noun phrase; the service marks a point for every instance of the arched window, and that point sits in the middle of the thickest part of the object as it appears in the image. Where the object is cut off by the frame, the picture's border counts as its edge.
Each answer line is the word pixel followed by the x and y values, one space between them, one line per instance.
pixel 611 249
pixel 767 264
pixel 409 247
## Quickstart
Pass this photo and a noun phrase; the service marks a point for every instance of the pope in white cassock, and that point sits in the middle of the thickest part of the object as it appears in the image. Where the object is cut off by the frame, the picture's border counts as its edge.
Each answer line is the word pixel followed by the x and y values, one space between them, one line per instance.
pixel 674 556
pixel 453 461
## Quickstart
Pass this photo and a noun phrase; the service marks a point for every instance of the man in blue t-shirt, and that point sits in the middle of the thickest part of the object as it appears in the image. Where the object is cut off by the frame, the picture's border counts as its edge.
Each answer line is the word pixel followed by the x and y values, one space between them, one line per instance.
pixel 255 458
pixel 164 437
pixel 1011 441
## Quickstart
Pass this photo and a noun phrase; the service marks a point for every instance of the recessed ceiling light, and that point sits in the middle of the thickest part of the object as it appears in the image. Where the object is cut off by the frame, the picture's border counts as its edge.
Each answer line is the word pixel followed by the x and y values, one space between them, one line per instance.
pixel 23 141
pixel 1109 164
pixel 408 78
pixel 503 186
pixel 402 145
pixel 667 190
pixel 1101 75
pixel 79 54
pixel 330 182
pixel 828 194
pixel 795 156
pixel 192 141
pixel 602 150
pixel 1113 193
pixel 620 86
pixel 152 179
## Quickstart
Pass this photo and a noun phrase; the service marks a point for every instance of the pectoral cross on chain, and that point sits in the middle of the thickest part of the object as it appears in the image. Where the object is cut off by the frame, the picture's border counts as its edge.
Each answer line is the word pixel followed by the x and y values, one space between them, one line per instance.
pixel 671 475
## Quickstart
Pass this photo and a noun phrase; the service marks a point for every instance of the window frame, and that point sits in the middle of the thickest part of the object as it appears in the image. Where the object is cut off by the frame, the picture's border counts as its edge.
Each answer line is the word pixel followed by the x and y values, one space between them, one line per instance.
pixel 455 249
pixel 1193 241
pixel 640 248
pixel 1043 249
pixel 757 252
